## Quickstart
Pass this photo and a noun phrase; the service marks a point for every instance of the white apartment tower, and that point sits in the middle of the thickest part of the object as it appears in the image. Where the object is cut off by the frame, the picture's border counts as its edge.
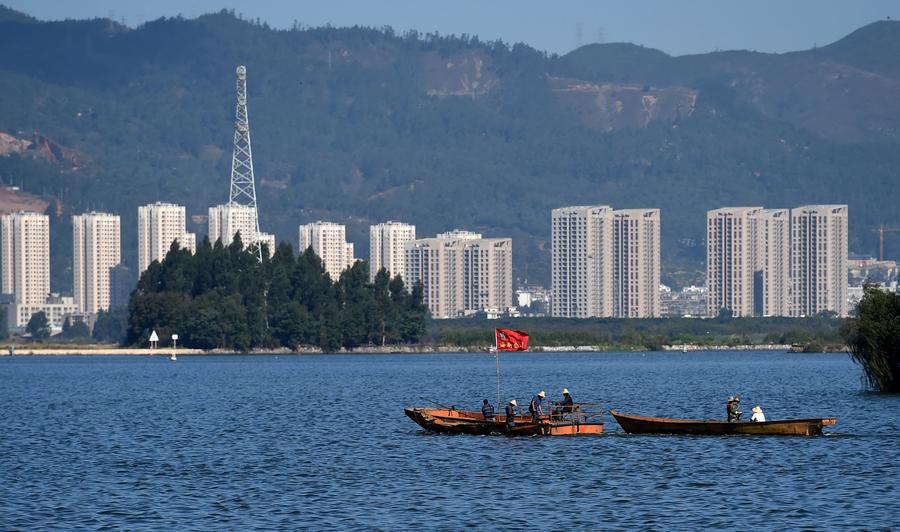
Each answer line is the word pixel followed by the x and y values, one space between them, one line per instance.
pixel 581 262
pixel 731 242
pixel 461 273
pixel 387 242
pixel 96 251
pixel 25 247
pixel 227 220
pixel 328 241
pixel 159 224
pixel 636 263
pixel 773 277
pixel 819 260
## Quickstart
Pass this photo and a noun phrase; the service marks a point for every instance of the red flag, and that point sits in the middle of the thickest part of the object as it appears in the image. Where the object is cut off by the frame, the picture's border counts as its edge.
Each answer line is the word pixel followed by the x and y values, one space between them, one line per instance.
pixel 511 340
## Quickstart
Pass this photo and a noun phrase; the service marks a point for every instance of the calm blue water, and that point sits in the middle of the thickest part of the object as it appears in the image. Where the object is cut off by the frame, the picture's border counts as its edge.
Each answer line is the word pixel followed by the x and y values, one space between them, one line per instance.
pixel 321 442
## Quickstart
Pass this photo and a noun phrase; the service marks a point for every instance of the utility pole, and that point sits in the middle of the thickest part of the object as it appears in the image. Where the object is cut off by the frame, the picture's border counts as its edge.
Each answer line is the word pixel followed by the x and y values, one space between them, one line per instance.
pixel 243 184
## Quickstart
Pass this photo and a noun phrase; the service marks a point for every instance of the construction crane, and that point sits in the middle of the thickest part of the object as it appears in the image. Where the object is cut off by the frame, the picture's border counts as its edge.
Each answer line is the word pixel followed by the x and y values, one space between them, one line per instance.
pixel 881 231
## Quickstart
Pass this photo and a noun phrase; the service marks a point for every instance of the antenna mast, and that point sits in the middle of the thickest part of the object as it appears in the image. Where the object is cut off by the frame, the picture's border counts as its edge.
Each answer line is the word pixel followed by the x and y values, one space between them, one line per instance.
pixel 243 184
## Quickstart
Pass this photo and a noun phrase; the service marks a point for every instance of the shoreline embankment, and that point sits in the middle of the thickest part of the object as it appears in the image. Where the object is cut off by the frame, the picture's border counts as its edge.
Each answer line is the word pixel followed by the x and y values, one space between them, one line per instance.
pixel 24 350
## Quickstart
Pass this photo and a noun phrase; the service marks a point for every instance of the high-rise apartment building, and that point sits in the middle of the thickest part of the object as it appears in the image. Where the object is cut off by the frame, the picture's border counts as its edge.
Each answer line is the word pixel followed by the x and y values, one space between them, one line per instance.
pixel 96 250
pixel 227 220
pixel 328 240
pixel 731 259
pixel 386 247
pixel 819 260
pixel 749 261
pixel 160 224
pixel 635 263
pixel 461 273
pixel 25 248
pixel 772 278
pixel 582 262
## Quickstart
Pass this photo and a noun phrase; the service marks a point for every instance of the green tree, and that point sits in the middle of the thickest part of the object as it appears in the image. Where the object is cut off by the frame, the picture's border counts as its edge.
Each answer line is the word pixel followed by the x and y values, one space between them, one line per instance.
pixel 874 338
pixel 223 297
pixel 412 325
pixel 38 326
pixel 74 331
pixel 111 325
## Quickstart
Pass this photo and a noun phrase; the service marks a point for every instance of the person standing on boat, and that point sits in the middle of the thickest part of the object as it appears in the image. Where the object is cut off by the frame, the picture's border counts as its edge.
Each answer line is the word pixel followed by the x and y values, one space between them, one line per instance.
pixel 511 414
pixel 758 415
pixel 487 410
pixel 536 406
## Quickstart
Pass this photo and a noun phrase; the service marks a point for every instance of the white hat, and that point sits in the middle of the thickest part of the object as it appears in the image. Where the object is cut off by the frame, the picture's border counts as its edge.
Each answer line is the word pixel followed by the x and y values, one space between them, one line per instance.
pixel 512 402
pixel 756 409
pixel 542 394
pixel 565 391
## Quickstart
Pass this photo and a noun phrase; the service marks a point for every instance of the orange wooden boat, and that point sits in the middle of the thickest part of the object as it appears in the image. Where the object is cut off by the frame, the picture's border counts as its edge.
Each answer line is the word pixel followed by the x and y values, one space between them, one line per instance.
pixel 453 421
pixel 634 424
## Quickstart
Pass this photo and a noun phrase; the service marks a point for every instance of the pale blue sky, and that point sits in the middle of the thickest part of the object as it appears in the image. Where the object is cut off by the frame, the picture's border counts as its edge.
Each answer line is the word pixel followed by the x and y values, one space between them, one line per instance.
pixel 676 27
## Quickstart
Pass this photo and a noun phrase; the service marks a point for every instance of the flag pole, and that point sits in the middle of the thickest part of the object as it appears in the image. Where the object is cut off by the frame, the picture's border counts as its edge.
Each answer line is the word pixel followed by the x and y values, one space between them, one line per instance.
pixel 497 354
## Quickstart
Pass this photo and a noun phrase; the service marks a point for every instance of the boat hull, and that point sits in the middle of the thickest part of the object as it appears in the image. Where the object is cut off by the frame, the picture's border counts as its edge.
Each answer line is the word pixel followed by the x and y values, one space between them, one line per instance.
pixel 451 421
pixel 635 424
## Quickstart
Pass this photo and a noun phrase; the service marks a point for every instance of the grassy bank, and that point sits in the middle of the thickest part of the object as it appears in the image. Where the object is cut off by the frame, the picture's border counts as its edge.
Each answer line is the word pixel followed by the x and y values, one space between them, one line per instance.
pixel 814 334
pixel 811 334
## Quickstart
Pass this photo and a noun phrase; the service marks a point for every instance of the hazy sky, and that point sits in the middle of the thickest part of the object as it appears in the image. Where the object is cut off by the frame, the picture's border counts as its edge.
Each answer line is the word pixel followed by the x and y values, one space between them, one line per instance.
pixel 676 27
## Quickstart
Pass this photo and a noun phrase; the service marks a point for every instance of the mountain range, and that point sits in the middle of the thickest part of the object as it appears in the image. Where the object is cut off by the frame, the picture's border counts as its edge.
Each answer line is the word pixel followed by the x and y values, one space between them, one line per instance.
pixel 361 125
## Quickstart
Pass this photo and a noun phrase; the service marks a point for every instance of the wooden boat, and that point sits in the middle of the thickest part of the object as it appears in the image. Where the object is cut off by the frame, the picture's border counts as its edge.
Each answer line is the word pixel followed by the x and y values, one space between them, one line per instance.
pixel 453 421
pixel 634 424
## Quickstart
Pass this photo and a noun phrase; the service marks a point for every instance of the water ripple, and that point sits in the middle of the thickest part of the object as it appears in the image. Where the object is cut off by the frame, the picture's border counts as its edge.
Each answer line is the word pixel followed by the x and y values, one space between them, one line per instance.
pixel 320 442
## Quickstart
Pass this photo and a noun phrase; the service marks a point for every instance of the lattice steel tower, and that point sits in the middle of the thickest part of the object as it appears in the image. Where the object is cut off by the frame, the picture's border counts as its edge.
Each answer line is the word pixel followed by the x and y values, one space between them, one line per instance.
pixel 243 184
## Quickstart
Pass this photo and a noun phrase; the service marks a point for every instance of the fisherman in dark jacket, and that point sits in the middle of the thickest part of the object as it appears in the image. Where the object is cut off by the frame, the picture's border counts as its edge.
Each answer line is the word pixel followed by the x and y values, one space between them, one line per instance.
pixel 511 414
pixel 568 404
pixel 734 403
pixel 535 407
pixel 487 411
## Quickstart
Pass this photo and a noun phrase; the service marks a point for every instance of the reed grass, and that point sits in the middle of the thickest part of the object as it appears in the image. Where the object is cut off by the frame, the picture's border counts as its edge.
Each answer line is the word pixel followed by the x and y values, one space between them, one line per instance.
pixel 874 338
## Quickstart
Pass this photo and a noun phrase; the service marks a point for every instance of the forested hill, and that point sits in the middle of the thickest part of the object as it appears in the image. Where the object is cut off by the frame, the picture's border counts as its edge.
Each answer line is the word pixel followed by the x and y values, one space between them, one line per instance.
pixel 359 125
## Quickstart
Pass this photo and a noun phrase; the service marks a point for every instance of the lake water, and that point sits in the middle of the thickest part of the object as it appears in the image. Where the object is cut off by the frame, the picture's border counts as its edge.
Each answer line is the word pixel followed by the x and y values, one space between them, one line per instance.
pixel 240 442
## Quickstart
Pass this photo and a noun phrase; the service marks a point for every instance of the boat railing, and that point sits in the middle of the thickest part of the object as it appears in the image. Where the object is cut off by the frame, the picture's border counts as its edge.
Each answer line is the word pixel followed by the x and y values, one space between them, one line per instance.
pixel 575 412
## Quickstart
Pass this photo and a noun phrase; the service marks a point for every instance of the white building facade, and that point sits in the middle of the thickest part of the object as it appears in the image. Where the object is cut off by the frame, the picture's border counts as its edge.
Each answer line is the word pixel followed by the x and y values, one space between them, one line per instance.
pixel 328 241
pixel 160 224
pixel 387 242
pixel 777 262
pixel 773 249
pixel 731 259
pixel 461 273
pixel 582 262
pixel 96 250
pixel 56 309
pixel 25 249
pixel 819 252
pixel 227 220
pixel 636 263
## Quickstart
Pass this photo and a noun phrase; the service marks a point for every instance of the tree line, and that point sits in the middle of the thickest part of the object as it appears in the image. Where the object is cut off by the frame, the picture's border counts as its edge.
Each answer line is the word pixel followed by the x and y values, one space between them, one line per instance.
pixel 223 297
pixel 813 333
